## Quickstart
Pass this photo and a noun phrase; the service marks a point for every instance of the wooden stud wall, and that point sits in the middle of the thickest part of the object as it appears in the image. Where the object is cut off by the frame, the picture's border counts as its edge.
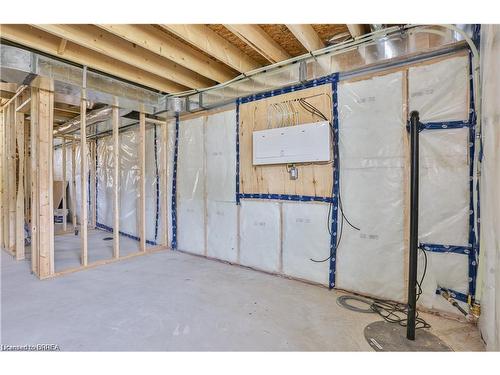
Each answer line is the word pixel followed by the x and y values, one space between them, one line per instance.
pixel 42 219
pixel 83 179
pixel 314 180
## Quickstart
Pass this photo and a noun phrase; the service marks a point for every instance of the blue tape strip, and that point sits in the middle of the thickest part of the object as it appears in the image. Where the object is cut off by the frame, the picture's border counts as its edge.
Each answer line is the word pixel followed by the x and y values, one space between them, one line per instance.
pixel 237 151
pixel 157 181
pixel 472 140
pixel 96 180
pixel 285 197
pixel 446 248
pixel 443 125
pixel 454 294
pixel 174 185
pixel 285 90
pixel 110 229
pixel 335 187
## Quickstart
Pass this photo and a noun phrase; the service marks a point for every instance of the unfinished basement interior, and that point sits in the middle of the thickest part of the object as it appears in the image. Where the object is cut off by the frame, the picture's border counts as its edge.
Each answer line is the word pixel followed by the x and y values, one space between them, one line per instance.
pixel 250 187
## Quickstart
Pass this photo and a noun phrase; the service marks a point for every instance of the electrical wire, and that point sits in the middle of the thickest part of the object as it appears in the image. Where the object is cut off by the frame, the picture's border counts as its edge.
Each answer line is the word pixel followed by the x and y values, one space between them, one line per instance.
pixel 315 111
pixel 392 312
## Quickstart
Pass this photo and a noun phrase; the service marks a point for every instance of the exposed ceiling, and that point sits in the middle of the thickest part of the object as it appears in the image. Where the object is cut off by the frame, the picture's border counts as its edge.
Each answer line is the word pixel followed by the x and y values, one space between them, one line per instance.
pixel 177 57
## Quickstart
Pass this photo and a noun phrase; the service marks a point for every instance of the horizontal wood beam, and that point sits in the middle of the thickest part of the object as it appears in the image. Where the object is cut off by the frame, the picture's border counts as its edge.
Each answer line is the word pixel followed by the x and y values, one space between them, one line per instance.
pixel 307 36
pixel 156 41
pixel 92 37
pixel 212 43
pixel 45 42
pixel 261 42
pixel 356 29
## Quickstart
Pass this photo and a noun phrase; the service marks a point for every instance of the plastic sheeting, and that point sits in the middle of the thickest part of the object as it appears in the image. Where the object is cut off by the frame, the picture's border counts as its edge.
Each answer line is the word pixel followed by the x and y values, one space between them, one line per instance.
pixel 440 91
pixel 444 187
pixel 191 186
pixel 222 220
pixel 306 237
pixel 372 260
pixel 489 263
pixel 260 235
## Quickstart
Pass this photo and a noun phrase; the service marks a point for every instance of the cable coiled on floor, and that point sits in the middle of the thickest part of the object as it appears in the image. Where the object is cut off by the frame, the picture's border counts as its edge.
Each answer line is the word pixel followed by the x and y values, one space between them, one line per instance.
pixel 392 312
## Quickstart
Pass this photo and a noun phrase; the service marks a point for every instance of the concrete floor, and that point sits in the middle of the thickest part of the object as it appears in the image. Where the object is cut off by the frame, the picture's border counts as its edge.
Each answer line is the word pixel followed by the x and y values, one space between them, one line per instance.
pixel 67 248
pixel 171 301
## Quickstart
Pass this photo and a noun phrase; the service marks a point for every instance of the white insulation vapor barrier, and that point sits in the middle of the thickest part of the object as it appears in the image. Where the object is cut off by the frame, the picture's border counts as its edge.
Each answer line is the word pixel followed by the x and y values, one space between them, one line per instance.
pixel 440 92
pixel 489 262
pixel 273 236
pixel 371 127
pixel 129 181
pixel 374 178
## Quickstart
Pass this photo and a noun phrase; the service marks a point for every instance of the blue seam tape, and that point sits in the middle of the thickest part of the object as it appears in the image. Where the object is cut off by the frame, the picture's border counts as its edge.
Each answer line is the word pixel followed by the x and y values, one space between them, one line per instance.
pixel 157 183
pixel 437 248
pixel 237 152
pixel 335 187
pixel 110 229
pixel 444 125
pixel 472 234
pixel 174 185
pixel 286 197
pixel 455 295
pixel 96 180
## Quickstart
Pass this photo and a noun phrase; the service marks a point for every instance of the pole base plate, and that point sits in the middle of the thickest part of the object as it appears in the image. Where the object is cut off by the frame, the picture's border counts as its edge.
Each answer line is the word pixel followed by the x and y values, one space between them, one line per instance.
pixel 391 337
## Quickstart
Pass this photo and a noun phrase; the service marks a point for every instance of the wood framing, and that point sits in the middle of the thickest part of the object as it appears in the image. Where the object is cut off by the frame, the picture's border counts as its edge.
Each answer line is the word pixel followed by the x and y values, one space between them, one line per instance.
pixel 314 180
pixel 356 30
pixel 306 35
pixel 162 44
pixel 261 42
pixel 117 48
pixel 73 183
pixel 48 43
pixel 64 198
pixel 42 219
pixel 93 190
pixel 142 181
pixel 116 184
pixel 11 173
pixel 163 182
pixel 210 42
pixel 83 179
pixel 19 124
pixel 2 163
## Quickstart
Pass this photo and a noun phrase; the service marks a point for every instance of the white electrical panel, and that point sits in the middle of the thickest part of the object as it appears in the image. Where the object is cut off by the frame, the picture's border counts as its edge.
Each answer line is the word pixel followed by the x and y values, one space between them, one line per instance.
pixel 292 144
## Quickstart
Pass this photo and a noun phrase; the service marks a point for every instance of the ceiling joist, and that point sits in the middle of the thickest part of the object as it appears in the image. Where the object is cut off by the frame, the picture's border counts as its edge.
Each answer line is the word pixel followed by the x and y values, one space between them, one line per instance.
pixel 117 48
pixel 44 42
pixel 306 35
pixel 210 42
pixel 257 38
pixel 162 44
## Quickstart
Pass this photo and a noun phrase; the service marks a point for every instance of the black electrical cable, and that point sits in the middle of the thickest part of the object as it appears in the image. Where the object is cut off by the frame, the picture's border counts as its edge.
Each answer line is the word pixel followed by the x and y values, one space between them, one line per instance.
pixel 392 312
pixel 315 111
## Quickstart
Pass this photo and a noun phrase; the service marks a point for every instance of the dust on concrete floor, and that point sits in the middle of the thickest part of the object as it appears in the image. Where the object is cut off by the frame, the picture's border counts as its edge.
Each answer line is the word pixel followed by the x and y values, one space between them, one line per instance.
pixel 67 247
pixel 171 301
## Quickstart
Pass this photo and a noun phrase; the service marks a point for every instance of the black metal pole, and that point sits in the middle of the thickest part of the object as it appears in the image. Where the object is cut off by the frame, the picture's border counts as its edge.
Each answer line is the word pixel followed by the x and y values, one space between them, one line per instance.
pixel 412 274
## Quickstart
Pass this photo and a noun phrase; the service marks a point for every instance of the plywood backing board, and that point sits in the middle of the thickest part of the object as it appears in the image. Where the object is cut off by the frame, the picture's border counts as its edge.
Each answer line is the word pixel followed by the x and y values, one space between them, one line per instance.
pixel 315 179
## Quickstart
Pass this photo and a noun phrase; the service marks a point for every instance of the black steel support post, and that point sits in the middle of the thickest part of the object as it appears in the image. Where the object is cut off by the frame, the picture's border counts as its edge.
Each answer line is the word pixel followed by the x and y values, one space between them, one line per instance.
pixel 412 274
